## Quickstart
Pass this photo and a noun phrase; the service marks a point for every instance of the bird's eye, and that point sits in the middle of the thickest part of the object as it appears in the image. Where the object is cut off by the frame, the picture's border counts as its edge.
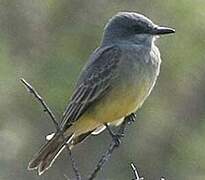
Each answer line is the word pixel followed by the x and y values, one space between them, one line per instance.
pixel 138 29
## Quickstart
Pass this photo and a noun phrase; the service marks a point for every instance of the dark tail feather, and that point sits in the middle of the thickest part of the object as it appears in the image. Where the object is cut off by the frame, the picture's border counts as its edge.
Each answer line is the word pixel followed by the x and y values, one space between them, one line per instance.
pixel 47 154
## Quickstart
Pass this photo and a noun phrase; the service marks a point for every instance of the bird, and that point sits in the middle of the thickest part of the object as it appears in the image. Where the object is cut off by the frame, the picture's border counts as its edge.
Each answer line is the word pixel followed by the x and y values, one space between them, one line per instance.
pixel 114 83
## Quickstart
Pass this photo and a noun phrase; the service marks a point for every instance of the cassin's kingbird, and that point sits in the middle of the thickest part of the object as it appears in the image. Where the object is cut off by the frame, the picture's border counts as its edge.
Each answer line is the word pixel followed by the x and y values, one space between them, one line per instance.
pixel 115 82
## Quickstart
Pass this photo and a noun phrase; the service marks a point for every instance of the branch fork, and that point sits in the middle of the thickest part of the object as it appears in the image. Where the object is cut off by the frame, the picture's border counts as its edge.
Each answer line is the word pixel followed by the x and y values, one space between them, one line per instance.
pixel 105 157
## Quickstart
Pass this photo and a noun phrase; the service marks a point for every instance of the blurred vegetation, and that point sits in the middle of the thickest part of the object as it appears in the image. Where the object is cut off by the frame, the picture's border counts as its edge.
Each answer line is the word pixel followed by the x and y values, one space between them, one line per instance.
pixel 47 42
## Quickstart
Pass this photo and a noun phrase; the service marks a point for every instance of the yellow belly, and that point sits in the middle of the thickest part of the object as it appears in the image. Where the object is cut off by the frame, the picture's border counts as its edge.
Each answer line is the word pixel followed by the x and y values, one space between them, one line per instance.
pixel 115 106
pixel 119 103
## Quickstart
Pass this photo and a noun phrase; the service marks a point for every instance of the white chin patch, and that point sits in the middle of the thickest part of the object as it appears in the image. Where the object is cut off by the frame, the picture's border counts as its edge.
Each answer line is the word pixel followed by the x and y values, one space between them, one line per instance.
pixel 50 136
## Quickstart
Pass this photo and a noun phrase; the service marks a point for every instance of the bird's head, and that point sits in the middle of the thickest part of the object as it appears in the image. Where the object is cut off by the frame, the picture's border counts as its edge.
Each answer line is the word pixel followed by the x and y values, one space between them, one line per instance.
pixel 134 27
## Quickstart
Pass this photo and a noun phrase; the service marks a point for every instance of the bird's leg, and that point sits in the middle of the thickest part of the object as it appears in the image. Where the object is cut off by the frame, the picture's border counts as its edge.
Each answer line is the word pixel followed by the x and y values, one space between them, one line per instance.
pixel 116 137
pixel 130 118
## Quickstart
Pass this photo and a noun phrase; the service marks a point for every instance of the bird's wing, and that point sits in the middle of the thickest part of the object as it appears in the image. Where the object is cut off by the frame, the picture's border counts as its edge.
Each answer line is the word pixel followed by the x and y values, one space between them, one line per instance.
pixel 93 83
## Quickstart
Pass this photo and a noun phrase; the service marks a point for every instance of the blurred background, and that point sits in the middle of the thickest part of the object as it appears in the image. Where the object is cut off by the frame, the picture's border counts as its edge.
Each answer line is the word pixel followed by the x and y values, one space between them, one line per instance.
pixel 47 43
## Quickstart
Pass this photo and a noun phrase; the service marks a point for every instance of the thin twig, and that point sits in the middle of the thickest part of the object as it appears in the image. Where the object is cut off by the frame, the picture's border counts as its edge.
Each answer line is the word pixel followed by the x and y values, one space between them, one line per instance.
pixel 107 155
pixel 55 122
pixel 74 165
pixel 31 90
pixel 136 174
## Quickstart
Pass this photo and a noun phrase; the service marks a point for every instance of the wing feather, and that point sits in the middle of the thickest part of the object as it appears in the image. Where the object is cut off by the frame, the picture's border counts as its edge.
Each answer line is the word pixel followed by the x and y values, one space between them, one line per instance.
pixel 93 83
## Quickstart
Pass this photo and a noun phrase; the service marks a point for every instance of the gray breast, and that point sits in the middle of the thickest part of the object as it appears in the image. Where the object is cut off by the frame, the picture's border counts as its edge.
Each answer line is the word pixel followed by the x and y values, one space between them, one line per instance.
pixel 137 72
pixel 139 62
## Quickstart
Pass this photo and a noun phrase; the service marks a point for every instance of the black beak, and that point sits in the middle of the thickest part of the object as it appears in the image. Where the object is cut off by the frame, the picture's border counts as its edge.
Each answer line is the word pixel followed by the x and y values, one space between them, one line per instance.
pixel 158 30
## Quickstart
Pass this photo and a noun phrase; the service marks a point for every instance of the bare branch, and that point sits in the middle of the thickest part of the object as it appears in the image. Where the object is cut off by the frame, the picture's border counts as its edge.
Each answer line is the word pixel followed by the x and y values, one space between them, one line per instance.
pixel 55 122
pixel 136 175
pixel 31 90
pixel 107 155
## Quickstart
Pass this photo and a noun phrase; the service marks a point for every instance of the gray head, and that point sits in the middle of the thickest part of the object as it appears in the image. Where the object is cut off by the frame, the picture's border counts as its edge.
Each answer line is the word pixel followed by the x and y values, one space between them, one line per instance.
pixel 132 27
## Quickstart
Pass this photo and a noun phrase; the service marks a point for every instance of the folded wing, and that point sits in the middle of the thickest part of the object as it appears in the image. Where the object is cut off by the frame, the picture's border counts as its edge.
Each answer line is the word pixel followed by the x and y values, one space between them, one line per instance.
pixel 94 82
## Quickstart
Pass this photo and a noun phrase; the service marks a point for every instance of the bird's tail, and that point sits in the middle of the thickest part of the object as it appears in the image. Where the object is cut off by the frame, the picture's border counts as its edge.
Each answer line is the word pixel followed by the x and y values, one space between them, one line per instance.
pixel 48 153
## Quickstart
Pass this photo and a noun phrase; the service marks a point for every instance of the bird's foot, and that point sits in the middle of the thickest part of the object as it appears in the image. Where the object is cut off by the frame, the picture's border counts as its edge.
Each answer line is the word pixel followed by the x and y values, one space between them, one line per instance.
pixel 131 118
pixel 115 137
